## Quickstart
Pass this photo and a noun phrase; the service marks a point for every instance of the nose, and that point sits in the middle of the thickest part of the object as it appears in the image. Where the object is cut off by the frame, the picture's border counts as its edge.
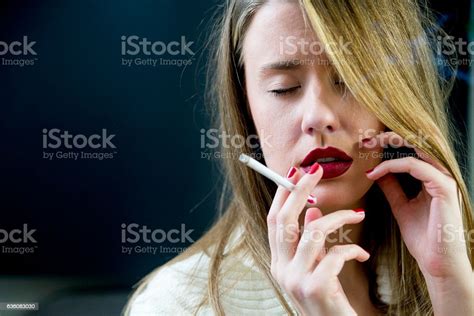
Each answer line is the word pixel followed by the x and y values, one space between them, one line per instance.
pixel 318 115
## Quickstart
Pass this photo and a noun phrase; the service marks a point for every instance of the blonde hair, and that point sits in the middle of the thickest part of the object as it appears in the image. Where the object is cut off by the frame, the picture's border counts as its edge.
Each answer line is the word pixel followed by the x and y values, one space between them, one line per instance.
pixel 392 72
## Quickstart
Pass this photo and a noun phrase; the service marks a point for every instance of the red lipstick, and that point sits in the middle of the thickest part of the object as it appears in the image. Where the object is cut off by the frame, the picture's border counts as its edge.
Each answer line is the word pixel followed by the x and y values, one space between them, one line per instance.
pixel 334 161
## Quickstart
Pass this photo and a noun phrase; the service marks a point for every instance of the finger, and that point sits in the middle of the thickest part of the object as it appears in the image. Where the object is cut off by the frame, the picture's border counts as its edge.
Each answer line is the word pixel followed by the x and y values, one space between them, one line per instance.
pixel 312 214
pixel 278 200
pixel 436 183
pixel 392 191
pixel 282 193
pixel 312 242
pixel 287 218
pixel 334 261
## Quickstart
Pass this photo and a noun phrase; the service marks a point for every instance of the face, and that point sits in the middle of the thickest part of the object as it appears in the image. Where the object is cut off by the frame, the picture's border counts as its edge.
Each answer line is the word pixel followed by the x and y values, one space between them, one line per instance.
pixel 298 104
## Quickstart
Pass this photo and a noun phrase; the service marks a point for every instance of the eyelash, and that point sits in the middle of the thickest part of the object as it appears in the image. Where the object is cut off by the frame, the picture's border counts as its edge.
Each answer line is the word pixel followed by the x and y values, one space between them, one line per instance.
pixel 282 92
pixel 341 87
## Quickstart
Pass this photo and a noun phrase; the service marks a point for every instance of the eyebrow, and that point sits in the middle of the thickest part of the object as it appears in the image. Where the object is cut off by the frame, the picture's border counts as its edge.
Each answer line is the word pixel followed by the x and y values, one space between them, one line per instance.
pixel 282 65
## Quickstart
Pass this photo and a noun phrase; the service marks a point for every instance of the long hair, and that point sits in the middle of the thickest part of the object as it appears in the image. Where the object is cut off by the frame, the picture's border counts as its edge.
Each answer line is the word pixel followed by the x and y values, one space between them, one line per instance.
pixel 392 71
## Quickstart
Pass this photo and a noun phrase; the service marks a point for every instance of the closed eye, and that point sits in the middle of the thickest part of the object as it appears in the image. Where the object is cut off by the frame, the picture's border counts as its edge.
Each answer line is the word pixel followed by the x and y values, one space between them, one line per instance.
pixel 282 92
pixel 340 87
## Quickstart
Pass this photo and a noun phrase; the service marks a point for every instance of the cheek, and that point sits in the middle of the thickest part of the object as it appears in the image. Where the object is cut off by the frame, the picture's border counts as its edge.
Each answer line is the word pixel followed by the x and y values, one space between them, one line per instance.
pixel 367 158
pixel 362 125
pixel 277 136
pixel 275 126
pixel 276 140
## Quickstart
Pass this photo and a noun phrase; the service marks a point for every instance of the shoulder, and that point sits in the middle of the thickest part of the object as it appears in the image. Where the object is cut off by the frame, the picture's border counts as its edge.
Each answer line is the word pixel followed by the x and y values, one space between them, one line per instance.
pixel 174 289
pixel 178 288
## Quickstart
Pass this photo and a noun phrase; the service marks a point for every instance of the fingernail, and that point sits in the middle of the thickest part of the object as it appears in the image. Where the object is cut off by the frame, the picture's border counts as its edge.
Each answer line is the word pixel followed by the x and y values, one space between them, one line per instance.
pixel 291 172
pixel 314 168
pixel 369 171
pixel 360 211
pixel 311 199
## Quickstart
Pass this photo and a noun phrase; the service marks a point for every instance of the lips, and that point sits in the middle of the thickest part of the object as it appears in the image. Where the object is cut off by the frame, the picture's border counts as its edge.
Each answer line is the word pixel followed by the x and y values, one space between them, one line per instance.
pixel 340 163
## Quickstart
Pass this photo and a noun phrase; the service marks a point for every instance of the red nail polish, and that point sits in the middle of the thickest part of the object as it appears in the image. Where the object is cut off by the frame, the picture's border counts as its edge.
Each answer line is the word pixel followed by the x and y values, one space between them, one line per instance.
pixel 359 210
pixel 311 199
pixel 314 168
pixel 369 171
pixel 291 172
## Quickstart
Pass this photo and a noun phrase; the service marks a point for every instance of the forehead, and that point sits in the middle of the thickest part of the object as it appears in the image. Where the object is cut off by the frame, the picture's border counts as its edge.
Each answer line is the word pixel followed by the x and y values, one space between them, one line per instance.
pixel 278 31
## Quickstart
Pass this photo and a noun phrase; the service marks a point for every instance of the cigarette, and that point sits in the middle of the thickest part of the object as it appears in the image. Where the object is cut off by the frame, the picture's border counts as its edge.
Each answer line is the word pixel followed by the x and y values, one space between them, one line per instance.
pixel 267 172
pixel 272 175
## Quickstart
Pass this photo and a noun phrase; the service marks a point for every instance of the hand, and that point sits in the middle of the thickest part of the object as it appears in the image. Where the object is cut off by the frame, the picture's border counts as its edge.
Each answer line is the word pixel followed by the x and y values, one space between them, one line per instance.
pixel 425 219
pixel 300 264
pixel 431 223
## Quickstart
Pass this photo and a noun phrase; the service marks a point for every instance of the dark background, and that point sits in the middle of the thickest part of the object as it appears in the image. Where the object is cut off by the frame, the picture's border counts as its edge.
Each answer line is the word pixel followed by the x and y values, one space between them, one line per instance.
pixel 156 178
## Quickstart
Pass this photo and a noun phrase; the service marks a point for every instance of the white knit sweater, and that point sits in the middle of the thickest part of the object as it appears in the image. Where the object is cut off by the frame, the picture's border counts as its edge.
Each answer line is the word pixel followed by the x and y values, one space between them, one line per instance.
pixel 245 290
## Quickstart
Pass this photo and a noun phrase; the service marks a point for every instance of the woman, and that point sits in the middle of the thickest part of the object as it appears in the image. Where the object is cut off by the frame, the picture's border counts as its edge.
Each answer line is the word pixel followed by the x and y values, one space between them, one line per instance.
pixel 319 79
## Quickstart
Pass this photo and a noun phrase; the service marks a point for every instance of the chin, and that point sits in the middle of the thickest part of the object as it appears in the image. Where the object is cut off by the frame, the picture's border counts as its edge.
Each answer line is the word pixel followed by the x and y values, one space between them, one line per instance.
pixel 334 200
